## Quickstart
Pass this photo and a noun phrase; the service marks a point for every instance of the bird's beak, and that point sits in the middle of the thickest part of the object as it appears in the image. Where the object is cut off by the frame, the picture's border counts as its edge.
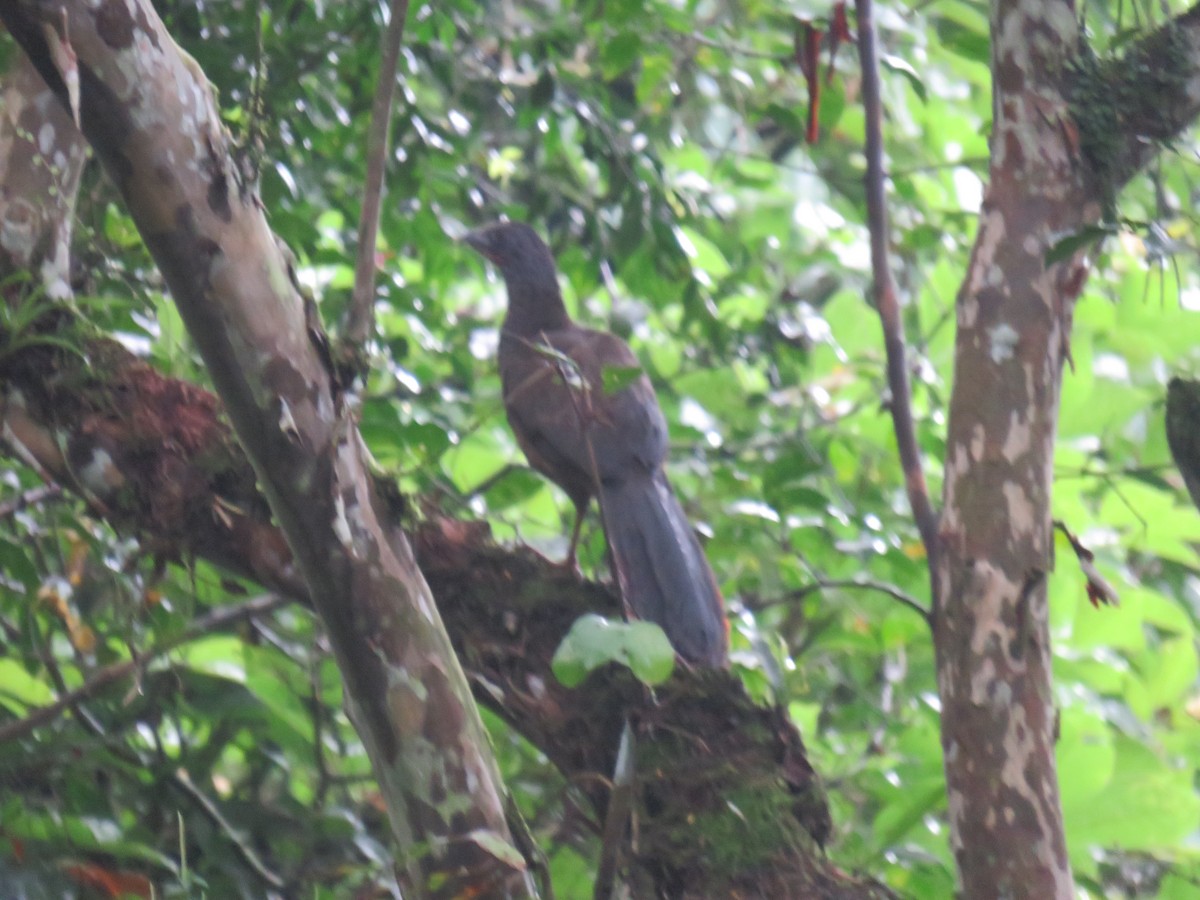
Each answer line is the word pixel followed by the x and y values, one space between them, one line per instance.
pixel 478 241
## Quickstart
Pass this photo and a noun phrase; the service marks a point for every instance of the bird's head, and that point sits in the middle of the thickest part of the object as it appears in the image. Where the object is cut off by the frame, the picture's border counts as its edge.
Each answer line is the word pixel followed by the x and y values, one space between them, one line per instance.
pixel 511 246
pixel 534 300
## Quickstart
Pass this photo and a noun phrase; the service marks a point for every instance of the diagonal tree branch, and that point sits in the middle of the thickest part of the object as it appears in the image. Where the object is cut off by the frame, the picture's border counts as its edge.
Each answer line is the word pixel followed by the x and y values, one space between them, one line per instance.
pixel 1128 107
pixel 405 690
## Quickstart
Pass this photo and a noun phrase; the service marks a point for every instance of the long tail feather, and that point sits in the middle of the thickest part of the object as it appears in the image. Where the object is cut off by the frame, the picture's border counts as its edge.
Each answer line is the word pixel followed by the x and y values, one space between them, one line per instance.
pixel 663 573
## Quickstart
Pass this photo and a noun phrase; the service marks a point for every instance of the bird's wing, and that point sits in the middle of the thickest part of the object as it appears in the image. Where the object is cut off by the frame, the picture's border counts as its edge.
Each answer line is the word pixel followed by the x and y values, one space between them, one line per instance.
pixel 627 429
pixel 568 426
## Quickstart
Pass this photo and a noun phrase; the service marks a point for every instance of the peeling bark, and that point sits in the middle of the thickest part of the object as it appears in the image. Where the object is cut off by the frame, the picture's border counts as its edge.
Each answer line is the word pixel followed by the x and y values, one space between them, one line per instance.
pixel 991 633
pixel 42 151
pixel 150 116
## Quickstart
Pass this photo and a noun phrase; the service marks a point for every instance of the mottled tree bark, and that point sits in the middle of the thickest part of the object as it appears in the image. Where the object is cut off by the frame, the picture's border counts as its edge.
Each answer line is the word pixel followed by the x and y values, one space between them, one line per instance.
pixel 37 208
pixel 1050 174
pixel 150 116
pixel 991 633
pixel 1065 137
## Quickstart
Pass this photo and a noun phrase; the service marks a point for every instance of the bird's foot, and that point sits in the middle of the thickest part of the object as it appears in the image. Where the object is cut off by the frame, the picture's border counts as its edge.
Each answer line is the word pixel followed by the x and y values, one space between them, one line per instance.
pixel 571 566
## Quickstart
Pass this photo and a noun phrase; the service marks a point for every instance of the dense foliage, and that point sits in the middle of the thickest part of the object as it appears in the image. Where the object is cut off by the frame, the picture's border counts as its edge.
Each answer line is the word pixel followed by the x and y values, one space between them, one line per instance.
pixel 660 147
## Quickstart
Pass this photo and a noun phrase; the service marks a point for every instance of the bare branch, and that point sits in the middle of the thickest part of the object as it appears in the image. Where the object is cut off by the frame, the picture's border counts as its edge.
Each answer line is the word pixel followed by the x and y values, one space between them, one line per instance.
pixel 866 584
pixel 884 290
pixel 360 319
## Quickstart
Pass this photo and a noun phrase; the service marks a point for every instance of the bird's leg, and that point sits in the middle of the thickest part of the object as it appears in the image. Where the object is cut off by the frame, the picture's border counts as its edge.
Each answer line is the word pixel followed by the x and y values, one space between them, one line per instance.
pixel 570 562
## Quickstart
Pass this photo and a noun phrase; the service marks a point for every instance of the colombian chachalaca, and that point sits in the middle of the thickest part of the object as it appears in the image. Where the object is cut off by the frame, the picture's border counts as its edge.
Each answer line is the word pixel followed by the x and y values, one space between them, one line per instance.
pixel 604 444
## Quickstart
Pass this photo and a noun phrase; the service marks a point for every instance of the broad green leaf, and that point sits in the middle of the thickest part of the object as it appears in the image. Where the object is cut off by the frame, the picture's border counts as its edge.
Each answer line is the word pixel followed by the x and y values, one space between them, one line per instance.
pixel 901 66
pixel 218 655
pixel 594 641
pixel 19 690
pixel 475 459
pixel 620 52
pixel 906 808
pixel 1085 754
pixel 1155 796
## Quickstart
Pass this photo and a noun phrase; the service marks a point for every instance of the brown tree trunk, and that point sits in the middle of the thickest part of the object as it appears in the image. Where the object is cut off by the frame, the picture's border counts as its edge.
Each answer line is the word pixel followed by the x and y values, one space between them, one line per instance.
pixel 1065 138
pixel 991 634
pixel 405 690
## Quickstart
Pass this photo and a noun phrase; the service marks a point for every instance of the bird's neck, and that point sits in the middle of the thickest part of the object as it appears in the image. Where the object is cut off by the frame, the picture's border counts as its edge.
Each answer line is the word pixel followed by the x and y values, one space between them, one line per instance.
pixel 534 306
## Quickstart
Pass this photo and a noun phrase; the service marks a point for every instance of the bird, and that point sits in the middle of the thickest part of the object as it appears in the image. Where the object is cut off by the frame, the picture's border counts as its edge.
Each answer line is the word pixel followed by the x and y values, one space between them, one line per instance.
pixel 608 444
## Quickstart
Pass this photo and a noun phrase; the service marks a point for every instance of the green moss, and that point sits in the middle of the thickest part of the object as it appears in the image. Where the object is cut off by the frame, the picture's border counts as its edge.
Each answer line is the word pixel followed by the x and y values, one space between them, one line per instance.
pixel 1114 96
pixel 717 818
pixel 752 827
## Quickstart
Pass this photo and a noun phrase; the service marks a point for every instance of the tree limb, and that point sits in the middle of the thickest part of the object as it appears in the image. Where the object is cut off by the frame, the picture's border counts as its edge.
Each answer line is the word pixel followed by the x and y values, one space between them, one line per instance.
pixel 360 319
pixel 205 228
pixel 161 463
pixel 884 291
pixel 1128 107
pixel 866 584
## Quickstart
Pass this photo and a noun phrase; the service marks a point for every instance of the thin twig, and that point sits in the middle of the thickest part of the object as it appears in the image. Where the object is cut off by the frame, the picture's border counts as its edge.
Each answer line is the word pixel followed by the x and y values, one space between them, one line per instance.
pixel 866 584
pixel 884 289
pixel 111 674
pixel 318 722
pixel 181 782
pixel 360 319
pixel 492 480
pixel 780 56
pixel 180 779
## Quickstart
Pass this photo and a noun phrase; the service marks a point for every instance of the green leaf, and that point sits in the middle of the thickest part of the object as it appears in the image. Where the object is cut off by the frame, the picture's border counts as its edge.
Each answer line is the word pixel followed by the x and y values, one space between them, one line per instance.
pixel 619 53
pixel 16 563
pixel 708 263
pixel 1171 672
pixel 968 42
pixel 19 690
pixel 910 803
pixel 1066 247
pixel 498 847
pixel 901 66
pixel 217 655
pixel 1085 754
pixel 517 486
pixel 1157 803
pixel 477 458
pixel 594 641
